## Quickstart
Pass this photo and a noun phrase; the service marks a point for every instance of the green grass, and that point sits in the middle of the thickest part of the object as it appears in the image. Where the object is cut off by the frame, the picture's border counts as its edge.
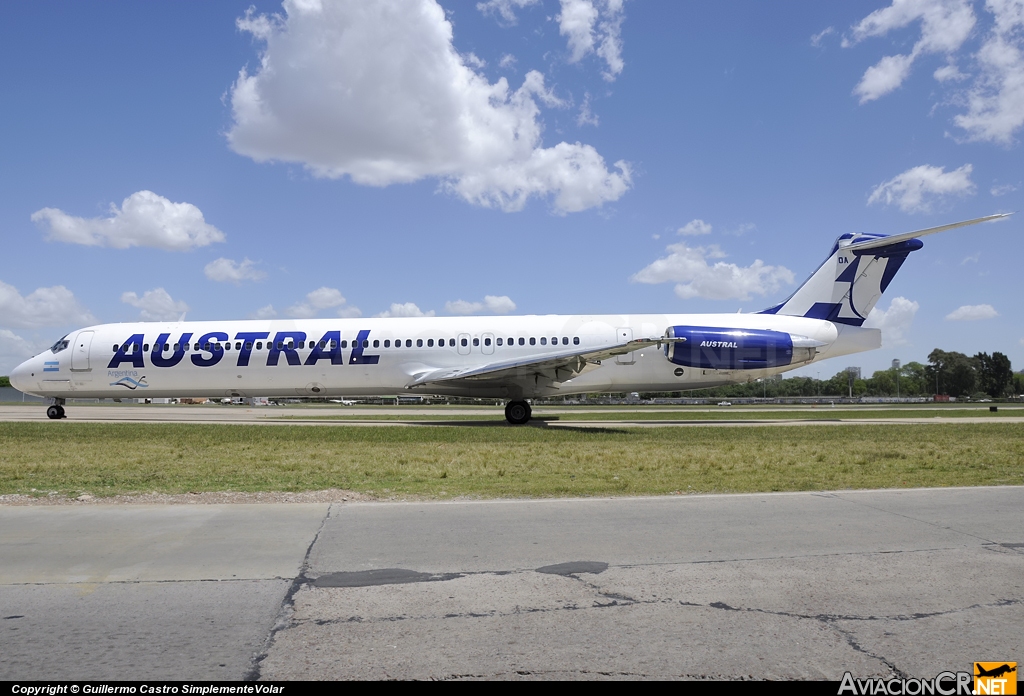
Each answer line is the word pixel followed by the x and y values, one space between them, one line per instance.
pixel 501 461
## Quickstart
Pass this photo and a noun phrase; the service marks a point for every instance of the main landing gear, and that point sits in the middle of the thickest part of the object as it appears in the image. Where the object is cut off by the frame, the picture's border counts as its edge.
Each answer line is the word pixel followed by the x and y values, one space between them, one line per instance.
pixel 518 412
pixel 56 411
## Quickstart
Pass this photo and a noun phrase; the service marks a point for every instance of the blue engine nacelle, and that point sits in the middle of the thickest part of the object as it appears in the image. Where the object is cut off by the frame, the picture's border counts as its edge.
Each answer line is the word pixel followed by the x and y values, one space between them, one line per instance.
pixel 714 348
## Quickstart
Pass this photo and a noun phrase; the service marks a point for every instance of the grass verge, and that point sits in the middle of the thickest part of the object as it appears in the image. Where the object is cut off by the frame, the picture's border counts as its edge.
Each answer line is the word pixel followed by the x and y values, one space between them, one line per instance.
pixel 442 462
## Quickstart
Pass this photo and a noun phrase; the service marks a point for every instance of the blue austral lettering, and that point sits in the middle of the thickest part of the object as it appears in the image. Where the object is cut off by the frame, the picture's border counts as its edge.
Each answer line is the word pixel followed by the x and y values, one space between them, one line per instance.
pixel 215 351
pixel 247 338
pixel 281 346
pixel 133 341
pixel 332 349
pixel 357 357
pixel 157 356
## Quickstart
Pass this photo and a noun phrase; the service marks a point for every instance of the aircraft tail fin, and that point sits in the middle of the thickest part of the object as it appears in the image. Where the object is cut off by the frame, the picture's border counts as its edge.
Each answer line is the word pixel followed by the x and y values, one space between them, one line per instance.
pixel 847 286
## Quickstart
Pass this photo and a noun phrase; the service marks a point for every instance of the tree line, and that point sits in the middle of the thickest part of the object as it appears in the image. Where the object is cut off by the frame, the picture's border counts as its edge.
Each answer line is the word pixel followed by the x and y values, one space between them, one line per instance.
pixel 947 373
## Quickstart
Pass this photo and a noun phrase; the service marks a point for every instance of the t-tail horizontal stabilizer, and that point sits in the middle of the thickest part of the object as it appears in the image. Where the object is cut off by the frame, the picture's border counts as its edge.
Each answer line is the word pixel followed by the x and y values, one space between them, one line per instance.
pixel 846 287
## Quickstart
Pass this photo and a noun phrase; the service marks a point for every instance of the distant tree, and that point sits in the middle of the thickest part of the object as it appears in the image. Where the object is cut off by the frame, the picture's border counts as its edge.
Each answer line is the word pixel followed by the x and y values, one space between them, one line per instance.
pixel 5 381
pixel 913 380
pixel 995 376
pixel 951 373
pixel 1018 383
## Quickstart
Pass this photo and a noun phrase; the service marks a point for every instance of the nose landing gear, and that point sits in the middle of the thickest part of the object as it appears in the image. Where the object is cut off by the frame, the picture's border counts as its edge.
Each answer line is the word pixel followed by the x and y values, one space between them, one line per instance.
pixel 518 412
pixel 56 411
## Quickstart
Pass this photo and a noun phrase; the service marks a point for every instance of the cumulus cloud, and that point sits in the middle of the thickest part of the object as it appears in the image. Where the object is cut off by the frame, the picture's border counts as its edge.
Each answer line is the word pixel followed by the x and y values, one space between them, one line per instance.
pixel 996 100
pixel 1002 190
pixel 407 309
pixel 816 39
pixel 972 313
pixel 995 96
pixel 14 350
pixel 230 271
pixel 586 117
pixel 505 9
pixel 319 300
pixel 265 312
pixel 594 26
pixel 493 304
pixel 144 219
pixel 156 305
pixel 894 322
pixel 53 306
pixel 695 277
pixel 949 73
pixel 693 228
pixel 945 25
pixel 917 189
pixel 377 92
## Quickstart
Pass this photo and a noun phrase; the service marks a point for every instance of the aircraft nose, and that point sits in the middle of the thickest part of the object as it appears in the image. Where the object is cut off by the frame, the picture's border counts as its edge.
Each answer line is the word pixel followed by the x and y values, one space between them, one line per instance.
pixel 20 376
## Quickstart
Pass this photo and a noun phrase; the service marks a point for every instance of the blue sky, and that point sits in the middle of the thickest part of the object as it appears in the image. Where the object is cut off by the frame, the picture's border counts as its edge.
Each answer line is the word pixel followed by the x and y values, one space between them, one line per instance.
pixel 513 156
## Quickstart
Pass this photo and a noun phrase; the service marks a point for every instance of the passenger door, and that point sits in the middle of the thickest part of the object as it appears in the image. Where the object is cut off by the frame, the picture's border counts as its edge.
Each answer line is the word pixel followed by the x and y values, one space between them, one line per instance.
pixel 80 351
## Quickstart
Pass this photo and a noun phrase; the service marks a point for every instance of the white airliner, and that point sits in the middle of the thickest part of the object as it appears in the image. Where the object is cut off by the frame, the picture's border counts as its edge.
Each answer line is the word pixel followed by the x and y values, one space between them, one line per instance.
pixel 514 357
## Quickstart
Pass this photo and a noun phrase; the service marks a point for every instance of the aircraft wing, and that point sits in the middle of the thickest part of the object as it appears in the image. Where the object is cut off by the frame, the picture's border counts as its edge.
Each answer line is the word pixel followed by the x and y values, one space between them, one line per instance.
pixel 896 238
pixel 559 366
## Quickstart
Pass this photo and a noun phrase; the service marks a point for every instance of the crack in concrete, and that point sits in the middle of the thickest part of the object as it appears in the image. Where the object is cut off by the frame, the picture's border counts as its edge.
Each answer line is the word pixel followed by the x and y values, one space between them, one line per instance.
pixel 830 618
pixel 852 642
pixel 831 621
pixel 915 519
pixel 286 611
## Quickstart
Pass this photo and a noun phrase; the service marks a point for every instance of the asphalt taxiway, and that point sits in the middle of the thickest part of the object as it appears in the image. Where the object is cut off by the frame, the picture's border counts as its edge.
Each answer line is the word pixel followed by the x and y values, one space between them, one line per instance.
pixel 464 416
pixel 794 585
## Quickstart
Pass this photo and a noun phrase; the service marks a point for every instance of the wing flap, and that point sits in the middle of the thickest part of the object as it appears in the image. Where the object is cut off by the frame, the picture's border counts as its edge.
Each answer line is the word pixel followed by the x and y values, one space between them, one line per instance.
pixel 558 367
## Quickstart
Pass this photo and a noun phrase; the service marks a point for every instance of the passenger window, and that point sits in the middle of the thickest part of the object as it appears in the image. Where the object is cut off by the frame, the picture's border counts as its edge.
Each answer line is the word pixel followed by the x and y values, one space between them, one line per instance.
pixel 114 349
pixel 565 340
pixel 227 346
pixel 259 345
pixel 366 344
pixel 145 347
pixel 543 340
pixel 376 343
pixel 248 346
pixel 323 344
pixel 522 341
pixel 533 341
pixel 302 344
pixel 408 343
pixel 291 345
pixel 575 340
pixel 498 341
pixel 430 343
pixel 419 342
pixel 344 344
pixel 387 342
pixel 487 341
pixel 476 341
pixel 334 344
pixel 465 342
pixel 451 342
pixel 196 347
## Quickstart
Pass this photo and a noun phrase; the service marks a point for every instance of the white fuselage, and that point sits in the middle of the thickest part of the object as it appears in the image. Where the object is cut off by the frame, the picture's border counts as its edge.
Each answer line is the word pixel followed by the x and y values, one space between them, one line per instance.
pixel 365 357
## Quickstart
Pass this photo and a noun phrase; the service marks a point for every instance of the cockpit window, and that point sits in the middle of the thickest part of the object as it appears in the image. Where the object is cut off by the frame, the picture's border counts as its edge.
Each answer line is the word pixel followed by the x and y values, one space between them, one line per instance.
pixel 60 345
